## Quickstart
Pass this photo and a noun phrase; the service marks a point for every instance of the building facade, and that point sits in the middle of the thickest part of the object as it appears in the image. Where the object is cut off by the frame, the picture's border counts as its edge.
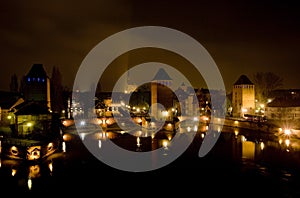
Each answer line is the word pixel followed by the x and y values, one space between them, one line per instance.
pixel 285 107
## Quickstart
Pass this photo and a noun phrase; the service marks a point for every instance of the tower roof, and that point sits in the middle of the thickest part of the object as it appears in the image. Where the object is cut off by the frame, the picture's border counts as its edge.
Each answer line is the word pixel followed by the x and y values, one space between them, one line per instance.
pixel 37 70
pixel 243 80
pixel 162 75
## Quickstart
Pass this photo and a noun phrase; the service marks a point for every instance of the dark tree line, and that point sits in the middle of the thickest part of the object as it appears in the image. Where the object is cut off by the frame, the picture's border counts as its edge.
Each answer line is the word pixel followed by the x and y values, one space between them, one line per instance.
pixel 265 83
pixel 14 84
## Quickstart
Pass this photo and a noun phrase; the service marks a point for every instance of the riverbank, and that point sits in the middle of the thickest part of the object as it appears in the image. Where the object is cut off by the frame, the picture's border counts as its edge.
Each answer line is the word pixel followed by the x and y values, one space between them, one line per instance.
pixel 240 123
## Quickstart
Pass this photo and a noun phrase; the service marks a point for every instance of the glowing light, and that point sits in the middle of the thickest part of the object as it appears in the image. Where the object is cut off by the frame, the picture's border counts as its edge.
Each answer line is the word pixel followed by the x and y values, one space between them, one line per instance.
pixel 29 183
pixel 99 143
pixel 287 132
pixel 50 146
pixel 13 172
pixel 33 152
pixel 236 132
pixel 138 141
pixel 287 142
pixel 165 113
pixel 66 137
pixel 34 171
pixel 152 135
pixel 165 144
pixel 50 166
pixel 82 135
pixel 243 138
pixel 188 129
pixel 14 150
pixel 262 146
pixel 205 118
pixel 269 100
pixel 64 146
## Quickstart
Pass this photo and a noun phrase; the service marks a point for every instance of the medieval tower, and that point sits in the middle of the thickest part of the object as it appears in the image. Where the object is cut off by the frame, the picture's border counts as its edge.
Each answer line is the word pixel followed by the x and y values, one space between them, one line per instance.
pixel 243 97
pixel 161 92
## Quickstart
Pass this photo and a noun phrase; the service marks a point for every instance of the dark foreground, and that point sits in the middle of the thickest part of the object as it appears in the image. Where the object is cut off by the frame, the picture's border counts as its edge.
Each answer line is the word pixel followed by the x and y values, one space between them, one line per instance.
pixel 227 170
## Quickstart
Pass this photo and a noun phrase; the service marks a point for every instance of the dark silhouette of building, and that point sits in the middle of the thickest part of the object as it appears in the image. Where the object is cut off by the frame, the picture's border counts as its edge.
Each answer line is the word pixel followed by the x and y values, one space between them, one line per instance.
pixel 36 85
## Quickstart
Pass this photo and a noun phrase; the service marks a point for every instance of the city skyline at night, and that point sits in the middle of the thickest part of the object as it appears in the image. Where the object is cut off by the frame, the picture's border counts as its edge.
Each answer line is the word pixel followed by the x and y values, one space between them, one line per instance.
pixel 98 96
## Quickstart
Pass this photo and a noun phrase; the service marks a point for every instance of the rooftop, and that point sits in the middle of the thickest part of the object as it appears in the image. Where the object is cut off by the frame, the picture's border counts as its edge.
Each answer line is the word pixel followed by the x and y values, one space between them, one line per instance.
pixel 37 70
pixel 243 80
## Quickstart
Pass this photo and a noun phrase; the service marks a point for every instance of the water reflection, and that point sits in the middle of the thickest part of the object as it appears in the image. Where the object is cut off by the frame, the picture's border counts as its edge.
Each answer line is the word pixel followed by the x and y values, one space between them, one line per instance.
pixel 253 153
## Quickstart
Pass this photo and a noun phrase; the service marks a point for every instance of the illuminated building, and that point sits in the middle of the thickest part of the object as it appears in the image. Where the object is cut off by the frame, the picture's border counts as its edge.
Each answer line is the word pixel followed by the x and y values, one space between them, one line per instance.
pixel 243 97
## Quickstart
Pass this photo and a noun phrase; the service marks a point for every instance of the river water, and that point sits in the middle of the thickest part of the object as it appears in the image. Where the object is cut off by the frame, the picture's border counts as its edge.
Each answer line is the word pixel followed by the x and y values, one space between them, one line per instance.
pixel 242 163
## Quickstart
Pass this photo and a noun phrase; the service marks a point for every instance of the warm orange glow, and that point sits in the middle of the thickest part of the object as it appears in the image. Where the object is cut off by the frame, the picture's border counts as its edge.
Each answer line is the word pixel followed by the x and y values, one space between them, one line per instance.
pixel 287 142
pixel 287 132
pixel 236 131
pixel 34 152
pixel 202 135
pixel 67 122
pixel 67 137
pixel 34 171
pixel 13 172
pixel 50 166
pixel 165 143
pixel 14 150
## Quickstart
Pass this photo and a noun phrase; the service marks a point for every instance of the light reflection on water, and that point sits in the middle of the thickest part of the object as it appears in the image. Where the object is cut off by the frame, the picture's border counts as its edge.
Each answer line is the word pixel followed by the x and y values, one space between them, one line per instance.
pixel 241 154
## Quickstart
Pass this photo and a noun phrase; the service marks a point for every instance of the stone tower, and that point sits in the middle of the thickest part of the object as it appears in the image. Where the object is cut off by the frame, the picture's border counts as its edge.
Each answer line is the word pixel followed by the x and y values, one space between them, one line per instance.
pixel 36 85
pixel 243 97
pixel 161 92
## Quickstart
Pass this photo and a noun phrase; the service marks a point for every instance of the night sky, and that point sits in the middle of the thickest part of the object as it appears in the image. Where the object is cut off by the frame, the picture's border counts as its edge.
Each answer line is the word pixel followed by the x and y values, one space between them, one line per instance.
pixel 243 37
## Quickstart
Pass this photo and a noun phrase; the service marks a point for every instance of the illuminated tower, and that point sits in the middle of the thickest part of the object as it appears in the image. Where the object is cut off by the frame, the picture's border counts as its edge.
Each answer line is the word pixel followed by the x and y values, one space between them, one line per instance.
pixel 243 97
pixel 160 92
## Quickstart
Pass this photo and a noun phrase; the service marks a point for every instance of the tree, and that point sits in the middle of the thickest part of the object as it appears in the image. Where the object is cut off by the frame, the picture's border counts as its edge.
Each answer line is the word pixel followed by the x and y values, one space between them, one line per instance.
pixel 265 83
pixel 57 103
pixel 14 85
